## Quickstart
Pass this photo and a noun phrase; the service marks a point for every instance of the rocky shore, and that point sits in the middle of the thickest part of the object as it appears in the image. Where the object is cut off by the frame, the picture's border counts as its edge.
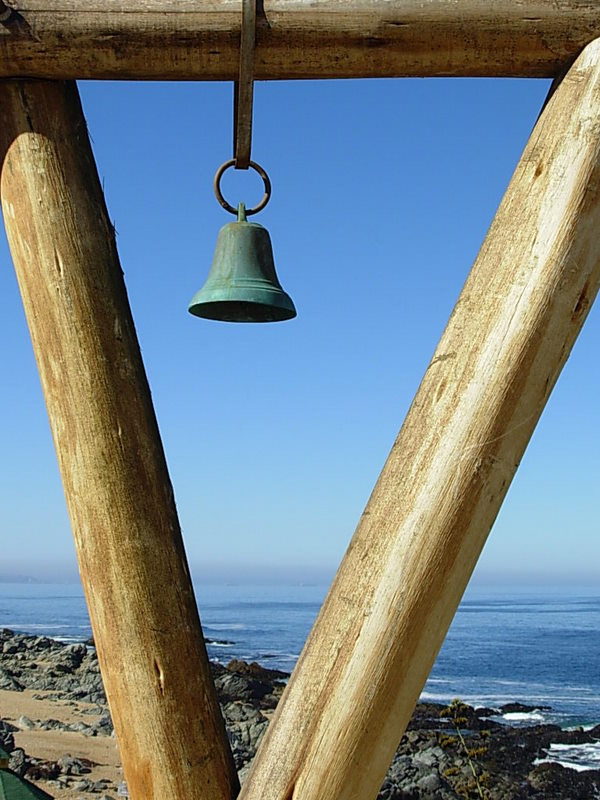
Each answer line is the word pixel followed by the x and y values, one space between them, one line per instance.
pixel 447 753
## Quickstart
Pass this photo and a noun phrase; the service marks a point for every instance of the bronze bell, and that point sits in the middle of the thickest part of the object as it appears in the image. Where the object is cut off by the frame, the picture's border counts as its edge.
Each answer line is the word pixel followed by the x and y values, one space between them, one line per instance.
pixel 242 285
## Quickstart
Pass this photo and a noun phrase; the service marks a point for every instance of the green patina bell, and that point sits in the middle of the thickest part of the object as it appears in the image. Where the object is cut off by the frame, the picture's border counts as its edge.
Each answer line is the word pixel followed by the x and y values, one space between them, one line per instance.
pixel 242 285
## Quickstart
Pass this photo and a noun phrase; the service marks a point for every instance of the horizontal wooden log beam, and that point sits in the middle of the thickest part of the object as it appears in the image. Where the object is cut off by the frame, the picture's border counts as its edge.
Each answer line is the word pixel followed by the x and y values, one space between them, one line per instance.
pixel 192 40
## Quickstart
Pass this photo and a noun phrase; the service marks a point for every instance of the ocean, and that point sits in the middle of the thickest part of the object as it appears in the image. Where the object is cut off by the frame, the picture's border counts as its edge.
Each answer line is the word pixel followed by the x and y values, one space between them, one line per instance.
pixel 535 646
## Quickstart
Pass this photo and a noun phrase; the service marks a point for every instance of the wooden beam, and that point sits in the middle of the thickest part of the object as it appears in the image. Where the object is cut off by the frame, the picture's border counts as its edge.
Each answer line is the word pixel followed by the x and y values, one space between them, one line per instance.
pixel 154 665
pixel 191 40
pixel 389 608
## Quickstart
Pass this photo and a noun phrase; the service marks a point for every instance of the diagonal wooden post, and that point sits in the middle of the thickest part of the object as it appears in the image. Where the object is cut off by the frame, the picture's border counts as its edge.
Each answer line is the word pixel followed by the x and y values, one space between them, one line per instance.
pixel 389 608
pixel 171 736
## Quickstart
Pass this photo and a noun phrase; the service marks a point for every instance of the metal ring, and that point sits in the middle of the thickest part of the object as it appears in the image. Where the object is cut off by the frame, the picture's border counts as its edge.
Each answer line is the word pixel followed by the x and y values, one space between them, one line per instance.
pixel 225 204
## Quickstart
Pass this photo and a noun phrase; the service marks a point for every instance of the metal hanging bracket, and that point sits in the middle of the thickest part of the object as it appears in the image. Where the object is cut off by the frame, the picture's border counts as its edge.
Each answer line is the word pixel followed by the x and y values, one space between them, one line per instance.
pixel 244 88
pixel 242 113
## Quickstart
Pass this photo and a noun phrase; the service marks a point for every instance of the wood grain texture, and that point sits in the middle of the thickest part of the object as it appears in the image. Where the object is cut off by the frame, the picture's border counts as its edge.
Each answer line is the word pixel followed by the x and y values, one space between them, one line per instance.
pixel 154 664
pixel 200 39
pixel 398 587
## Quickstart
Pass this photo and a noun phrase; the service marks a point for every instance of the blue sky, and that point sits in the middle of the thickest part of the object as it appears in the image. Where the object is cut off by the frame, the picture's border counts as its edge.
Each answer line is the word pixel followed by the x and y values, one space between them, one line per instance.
pixel 275 434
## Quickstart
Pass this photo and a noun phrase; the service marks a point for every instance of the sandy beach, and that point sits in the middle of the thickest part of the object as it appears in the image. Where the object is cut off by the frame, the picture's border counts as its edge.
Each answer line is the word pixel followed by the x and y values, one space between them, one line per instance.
pixel 54 722
pixel 51 745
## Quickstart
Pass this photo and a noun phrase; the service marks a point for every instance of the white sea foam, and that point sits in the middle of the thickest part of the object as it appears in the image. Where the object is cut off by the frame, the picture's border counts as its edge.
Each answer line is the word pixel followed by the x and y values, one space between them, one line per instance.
pixel 579 757
pixel 505 682
pixel 224 626
pixel 69 639
pixel 471 700
pixel 524 716
pixel 32 626
pixel 433 697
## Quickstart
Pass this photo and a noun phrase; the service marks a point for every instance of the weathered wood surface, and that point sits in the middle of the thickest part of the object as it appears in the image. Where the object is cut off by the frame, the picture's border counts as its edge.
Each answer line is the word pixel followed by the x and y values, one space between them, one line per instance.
pixel 200 39
pixel 154 664
pixel 389 608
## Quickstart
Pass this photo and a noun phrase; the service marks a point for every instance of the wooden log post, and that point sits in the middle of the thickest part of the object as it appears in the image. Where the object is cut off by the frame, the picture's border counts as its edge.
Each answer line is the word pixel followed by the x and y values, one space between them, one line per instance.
pixel 390 606
pixel 170 733
pixel 192 40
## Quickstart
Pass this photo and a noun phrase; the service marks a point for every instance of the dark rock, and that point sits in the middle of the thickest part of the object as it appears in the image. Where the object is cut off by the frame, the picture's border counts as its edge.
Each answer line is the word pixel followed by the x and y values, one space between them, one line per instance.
pixel 18 762
pixel 83 785
pixel 519 708
pixel 484 712
pixel 75 653
pixel 43 643
pixel 233 686
pixel 553 780
pixel 42 771
pixel 104 726
pixel 74 766
pixel 254 670
pixel 245 728
pixel 7 740
pixel 426 716
pixel 9 682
